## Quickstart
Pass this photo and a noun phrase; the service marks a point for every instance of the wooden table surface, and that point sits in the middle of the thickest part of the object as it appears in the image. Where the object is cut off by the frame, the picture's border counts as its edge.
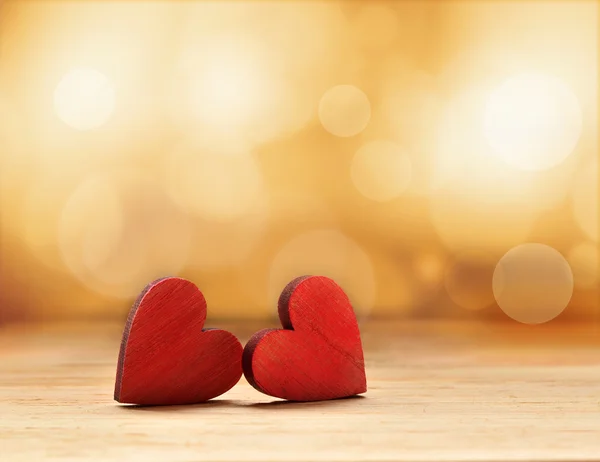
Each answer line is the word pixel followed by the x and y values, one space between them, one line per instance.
pixel 437 391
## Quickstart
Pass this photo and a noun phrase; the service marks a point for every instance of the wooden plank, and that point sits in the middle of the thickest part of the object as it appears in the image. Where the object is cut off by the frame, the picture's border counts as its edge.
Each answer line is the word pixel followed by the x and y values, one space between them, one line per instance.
pixel 436 392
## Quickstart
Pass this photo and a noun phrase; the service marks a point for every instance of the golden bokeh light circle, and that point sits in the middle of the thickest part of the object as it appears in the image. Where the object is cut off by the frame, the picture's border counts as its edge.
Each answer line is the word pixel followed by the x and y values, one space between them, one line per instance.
pixel 533 121
pixel 469 204
pixel 584 261
pixel 226 199
pixel 215 186
pixel 96 234
pixel 344 110
pixel 466 164
pixel 429 268
pixel 381 170
pixel 234 94
pixel 325 252
pixel 229 84
pixel 533 283
pixel 84 99
pixel 585 200
pixel 117 232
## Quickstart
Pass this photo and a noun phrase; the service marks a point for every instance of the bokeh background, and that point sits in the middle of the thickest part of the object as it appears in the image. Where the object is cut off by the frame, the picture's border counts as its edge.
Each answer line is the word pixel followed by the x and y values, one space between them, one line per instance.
pixel 437 158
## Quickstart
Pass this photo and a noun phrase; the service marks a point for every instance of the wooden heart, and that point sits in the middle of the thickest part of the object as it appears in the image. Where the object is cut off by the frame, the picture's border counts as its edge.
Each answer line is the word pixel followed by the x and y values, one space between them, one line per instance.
pixel 166 357
pixel 317 355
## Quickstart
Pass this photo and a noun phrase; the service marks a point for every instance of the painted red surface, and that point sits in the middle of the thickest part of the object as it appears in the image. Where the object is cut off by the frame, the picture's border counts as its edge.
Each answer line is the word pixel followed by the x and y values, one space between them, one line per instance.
pixel 166 357
pixel 317 355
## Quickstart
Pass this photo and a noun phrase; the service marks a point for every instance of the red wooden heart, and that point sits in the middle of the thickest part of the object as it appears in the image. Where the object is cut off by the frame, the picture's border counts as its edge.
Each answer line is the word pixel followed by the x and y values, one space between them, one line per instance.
pixel 166 357
pixel 317 355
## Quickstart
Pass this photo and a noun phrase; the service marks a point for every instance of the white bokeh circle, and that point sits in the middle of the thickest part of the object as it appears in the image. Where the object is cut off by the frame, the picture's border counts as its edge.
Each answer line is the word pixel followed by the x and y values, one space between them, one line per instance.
pixel 84 99
pixel 533 121
pixel 117 231
pixel 344 110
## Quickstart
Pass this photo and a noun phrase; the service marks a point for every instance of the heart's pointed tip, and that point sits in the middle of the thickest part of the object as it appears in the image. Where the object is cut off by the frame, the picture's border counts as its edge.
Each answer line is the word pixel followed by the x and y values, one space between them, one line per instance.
pixel 122 400
pixel 116 393
pixel 142 399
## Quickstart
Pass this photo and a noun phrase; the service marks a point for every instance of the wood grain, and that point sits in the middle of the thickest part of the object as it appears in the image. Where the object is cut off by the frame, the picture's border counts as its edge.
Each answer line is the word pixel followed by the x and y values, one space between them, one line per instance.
pixel 437 391
pixel 166 357
pixel 317 355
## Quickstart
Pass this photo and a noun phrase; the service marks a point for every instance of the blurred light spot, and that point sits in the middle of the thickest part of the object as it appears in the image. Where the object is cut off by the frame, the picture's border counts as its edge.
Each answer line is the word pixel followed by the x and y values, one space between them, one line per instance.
pixel 280 53
pixel 533 283
pixel 84 99
pixel 468 282
pixel 98 233
pixel 381 170
pixel 226 198
pixel 344 110
pixel 585 200
pixel 232 92
pixel 230 87
pixel 465 163
pixel 325 253
pixel 583 260
pixel 119 232
pixel 478 201
pixel 429 268
pixel 376 26
pixel 533 121
pixel 213 186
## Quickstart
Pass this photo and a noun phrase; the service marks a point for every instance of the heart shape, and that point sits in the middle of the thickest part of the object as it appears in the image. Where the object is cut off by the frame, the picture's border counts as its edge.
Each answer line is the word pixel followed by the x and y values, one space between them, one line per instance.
pixel 166 356
pixel 317 355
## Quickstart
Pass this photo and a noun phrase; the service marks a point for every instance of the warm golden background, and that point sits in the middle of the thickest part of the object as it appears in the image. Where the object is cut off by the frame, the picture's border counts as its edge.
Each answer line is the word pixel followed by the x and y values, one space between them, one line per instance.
pixel 436 158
